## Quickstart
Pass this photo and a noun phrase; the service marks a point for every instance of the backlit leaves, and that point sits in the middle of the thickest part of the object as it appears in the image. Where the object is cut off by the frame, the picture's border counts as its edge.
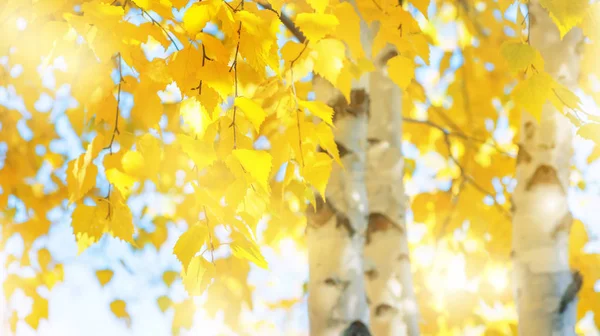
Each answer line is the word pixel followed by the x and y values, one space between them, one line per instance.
pixel 315 26
pixel 534 92
pixel 252 110
pixel 566 14
pixel 189 243
pixel 104 276
pixel 257 164
pixel 401 70
pixel 520 56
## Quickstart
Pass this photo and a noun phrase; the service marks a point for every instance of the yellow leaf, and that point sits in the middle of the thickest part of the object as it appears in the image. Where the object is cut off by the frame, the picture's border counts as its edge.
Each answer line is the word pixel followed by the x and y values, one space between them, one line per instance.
pixel 595 154
pixel 578 238
pixel 195 116
pixel 39 310
pixel 564 98
pixel 243 248
pixel 401 70
pixel 327 141
pixel 421 5
pixel 90 222
pixel 184 315
pixel 318 5
pixel 81 173
pixel 566 14
pixel 197 16
pixel 44 258
pixel 319 109
pixel 349 28
pixel 520 56
pixel 189 243
pixel 317 172
pixel 133 163
pixel 168 277
pixel 329 59
pixel 120 180
pixel 144 4
pixel 315 26
pixel 590 131
pixel 257 164
pixel 164 302
pixel 252 110
pixel 202 153
pixel 591 22
pixel 104 276
pixel 198 276
pixel 120 220
pixel 533 92
pixel 119 308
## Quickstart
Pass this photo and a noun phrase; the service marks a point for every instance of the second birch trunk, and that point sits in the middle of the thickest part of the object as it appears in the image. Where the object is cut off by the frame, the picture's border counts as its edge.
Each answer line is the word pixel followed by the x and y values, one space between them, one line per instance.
pixel 541 216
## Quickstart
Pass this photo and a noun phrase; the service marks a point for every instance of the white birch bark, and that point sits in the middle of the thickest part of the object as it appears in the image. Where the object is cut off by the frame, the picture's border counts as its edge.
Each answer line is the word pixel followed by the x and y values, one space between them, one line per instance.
pixel 393 305
pixel 541 217
pixel 336 231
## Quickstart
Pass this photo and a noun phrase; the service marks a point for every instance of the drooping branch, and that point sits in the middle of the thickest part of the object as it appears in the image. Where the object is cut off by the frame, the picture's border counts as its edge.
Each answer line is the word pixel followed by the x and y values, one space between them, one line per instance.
pixel 287 22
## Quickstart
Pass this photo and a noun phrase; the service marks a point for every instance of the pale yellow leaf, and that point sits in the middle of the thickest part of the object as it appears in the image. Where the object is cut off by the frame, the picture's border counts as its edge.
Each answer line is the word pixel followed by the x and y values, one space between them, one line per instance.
pixel 401 70
pixel 252 110
pixel 319 109
pixel 189 243
pixel 315 26
pixel 104 276
pixel 255 163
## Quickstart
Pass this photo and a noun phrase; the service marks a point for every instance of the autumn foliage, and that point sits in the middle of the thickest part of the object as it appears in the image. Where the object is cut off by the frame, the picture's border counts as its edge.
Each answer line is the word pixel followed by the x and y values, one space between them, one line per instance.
pixel 192 127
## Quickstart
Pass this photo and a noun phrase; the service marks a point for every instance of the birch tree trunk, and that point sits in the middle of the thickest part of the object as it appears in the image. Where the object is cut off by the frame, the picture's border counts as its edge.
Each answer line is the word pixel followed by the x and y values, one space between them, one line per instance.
pixel 541 217
pixel 336 230
pixel 390 290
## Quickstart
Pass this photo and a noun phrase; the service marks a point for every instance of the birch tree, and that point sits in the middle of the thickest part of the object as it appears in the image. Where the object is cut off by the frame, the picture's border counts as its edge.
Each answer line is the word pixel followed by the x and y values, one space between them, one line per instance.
pixel 545 285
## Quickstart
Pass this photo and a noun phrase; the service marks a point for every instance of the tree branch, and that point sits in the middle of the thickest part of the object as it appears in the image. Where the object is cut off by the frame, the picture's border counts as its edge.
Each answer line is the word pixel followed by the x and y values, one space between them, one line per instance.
pixel 287 22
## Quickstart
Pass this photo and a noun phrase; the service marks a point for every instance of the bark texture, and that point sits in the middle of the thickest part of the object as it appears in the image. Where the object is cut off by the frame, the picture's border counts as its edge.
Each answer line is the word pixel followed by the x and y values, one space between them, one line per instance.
pixel 336 230
pixel 393 305
pixel 541 217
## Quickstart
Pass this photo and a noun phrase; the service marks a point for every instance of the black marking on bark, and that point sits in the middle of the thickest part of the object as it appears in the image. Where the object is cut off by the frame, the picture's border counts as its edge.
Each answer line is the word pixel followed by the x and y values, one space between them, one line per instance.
pixel 357 328
pixel 331 282
pixel 359 101
pixel 544 174
pixel 388 55
pixel 529 128
pixel 384 309
pixel 359 104
pixel 342 220
pixel 342 149
pixel 321 213
pixel 373 141
pixel 379 222
pixel 570 293
pixel 371 274
pixel 523 155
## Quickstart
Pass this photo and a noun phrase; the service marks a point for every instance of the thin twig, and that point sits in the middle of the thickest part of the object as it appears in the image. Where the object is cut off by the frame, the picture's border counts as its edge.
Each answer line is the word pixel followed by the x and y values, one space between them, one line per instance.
pixel 457 134
pixel 161 27
pixel 116 128
pixel 287 22
pixel 296 101
pixel 235 81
